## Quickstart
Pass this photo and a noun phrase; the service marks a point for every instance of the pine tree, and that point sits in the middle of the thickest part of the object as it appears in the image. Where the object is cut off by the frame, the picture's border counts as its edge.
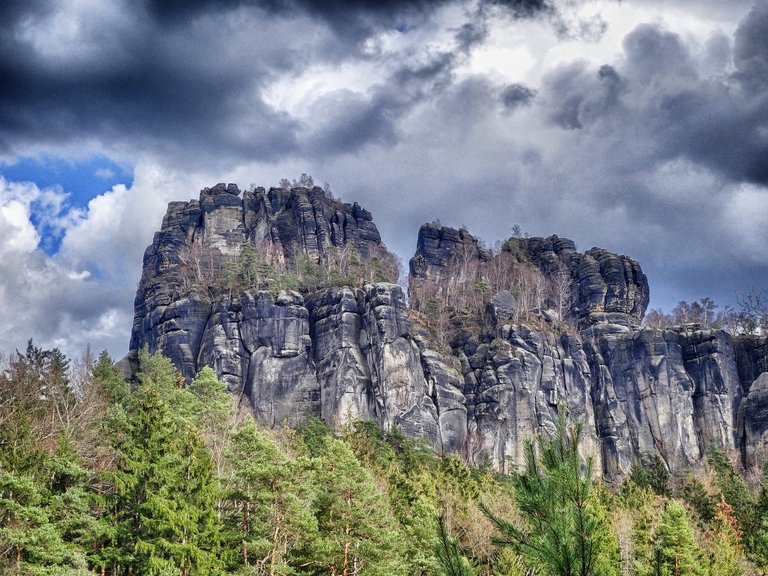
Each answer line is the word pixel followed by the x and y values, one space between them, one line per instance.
pixel 726 555
pixel 676 551
pixel 563 532
pixel 164 491
pixel 215 414
pixel 452 561
pixel 736 492
pixel 358 533
pixel 270 496
pixel 29 537
pixel 646 510
pixel 109 380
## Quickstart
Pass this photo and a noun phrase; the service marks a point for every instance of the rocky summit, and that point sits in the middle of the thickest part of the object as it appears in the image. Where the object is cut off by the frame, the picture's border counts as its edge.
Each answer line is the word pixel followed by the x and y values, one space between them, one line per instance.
pixel 292 298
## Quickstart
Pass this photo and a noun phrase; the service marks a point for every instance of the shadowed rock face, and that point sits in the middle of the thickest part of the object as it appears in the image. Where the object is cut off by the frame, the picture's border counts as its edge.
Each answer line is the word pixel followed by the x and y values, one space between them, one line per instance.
pixel 352 352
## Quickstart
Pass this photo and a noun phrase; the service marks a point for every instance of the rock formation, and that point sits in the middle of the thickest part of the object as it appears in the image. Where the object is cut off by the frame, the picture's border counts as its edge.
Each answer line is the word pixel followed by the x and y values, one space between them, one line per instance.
pixel 492 346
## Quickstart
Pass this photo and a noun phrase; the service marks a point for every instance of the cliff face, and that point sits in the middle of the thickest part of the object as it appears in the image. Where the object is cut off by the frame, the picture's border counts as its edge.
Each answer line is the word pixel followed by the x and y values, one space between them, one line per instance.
pixel 492 345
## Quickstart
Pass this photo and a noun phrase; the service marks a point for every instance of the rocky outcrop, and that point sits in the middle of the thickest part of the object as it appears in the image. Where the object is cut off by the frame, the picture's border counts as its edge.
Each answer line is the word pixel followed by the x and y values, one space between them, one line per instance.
pixel 603 286
pixel 525 332
pixel 440 248
pixel 662 392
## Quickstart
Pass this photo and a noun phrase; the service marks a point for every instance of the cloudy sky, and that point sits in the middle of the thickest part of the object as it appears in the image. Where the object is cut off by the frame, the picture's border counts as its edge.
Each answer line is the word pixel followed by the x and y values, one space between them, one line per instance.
pixel 638 126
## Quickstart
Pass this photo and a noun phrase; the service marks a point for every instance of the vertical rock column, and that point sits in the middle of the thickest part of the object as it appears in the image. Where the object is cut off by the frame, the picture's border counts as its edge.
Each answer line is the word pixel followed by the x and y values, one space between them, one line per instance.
pixel 281 381
pixel 401 394
pixel 341 367
pixel 643 398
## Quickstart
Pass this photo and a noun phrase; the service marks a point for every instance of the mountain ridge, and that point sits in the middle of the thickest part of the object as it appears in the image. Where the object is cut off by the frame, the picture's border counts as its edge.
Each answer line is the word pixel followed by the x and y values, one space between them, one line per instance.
pixel 310 321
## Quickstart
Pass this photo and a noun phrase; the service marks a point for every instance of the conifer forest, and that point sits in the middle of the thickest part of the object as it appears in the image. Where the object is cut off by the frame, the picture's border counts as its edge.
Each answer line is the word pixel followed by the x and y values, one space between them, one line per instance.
pixel 98 477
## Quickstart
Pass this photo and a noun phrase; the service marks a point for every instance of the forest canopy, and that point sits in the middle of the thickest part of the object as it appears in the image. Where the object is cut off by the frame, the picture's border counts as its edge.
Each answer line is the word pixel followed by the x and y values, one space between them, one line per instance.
pixel 97 477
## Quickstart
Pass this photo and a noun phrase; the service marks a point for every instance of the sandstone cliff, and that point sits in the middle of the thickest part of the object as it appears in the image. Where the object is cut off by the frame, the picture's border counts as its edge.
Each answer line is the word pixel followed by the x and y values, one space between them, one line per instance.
pixel 282 292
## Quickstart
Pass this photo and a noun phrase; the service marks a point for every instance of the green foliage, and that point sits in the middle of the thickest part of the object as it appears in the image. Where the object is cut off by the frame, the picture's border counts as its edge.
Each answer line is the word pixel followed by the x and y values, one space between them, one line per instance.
pixel 357 530
pixel 694 493
pixel 726 558
pixel 564 530
pixel 163 501
pixel 313 436
pixel 215 414
pixel 452 561
pixel 270 520
pixel 39 527
pixel 675 546
pixel 168 483
pixel 736 493
pixel 654 475
pixel 109 379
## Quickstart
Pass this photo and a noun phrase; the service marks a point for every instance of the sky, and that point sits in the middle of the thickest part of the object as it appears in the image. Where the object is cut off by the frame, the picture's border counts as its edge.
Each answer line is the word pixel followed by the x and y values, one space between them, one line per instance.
pixel 636 126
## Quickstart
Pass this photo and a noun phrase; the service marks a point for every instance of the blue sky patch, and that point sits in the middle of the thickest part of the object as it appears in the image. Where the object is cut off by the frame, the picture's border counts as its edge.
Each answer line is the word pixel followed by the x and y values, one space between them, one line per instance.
pixel 81 180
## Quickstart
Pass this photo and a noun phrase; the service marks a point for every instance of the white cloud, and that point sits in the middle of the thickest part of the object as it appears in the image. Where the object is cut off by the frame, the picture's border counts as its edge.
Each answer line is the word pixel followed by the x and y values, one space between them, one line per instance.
pixel 84 293
pixel 18 234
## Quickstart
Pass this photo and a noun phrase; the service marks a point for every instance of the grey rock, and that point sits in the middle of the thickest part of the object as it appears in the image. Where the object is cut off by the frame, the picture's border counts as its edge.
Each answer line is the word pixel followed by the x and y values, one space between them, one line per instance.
pixel 602 282
pixel 336 320
pixel 352 353
pixel 400 392
pixel 502 307
pixel 751 358
pixel 440 247
pixel 756 423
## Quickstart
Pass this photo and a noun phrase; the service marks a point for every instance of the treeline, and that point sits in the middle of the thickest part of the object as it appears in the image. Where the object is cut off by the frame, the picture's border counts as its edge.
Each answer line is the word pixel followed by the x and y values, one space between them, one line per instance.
pixel 264 267
pixel 751 317
pixel 163 479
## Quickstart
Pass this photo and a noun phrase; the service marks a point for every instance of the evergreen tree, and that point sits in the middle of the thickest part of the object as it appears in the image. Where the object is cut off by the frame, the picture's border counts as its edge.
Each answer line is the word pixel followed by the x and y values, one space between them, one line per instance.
pixel 164 491
pixel 726 556
pixel 676 551
pixel 646 509
pixel 358 533
pixel 270 520
pixel 563 532
pixel 452 561
pixel 737 494
pixel 654 475
pixel 694 493
pixel 109 380
pixel 215 414
pixel 30 536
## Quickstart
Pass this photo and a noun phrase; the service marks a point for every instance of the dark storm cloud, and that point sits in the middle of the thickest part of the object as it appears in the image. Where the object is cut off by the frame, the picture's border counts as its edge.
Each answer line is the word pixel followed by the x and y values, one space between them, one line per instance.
pixel 579 96
pixel 353 20
pixel 751 49
pixel 12 11
pixel 516 95
pixel 159 88
pixel 652 51
pixel 668 108
pixel 346 121
pixel 187 78
pixel 525 8
pixel 470 35
pixel 351 121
